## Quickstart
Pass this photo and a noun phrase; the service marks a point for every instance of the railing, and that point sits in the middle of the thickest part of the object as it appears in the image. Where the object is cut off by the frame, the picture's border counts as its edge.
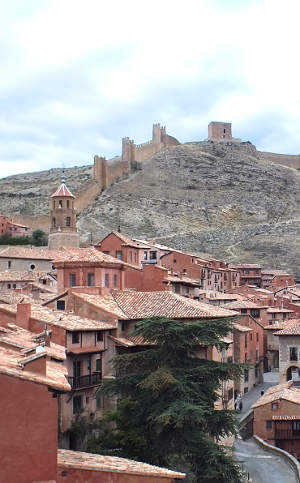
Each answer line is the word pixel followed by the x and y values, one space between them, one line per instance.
pixel 286 434
pixel 85 381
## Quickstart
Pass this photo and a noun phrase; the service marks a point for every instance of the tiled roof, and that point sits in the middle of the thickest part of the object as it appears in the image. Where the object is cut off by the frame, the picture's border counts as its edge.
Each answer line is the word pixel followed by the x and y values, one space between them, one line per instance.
pixel 283 325
pixel 63 190
pixel 18 276
pixel 214 295
pixel 278 310
pixel 245 265
pixel 273 273
pixel 84 255
pixel 13 297
pixel 96 462
pixel 242 328
pixel 130 341
pixel 284 391
pixel 126 240
pixel 28 340
pixel 242 304
pixel 11 365
pixel 29 253
pixel 137 305
pixel 286 418
pixel 185 280
pixel 68 321
pixel 291 329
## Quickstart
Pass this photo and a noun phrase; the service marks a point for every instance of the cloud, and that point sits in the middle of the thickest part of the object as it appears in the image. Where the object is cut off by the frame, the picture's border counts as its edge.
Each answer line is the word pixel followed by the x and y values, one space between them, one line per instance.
pixel 76 77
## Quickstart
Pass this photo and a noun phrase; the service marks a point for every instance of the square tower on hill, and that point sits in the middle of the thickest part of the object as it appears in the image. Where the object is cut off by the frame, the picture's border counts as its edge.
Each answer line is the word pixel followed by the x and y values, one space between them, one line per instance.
pixel 219 130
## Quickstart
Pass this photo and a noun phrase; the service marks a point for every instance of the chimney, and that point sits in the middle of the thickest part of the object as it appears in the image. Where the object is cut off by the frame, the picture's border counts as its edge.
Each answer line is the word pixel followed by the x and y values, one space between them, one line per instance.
pixel 23 315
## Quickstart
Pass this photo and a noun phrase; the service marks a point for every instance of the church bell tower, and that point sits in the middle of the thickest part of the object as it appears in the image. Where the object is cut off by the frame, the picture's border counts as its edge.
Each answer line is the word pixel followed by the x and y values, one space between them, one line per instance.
pixel 63 231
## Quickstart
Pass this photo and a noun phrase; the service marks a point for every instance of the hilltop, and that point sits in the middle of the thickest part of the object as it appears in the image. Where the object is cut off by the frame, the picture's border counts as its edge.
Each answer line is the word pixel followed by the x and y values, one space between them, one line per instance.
pixel 214 198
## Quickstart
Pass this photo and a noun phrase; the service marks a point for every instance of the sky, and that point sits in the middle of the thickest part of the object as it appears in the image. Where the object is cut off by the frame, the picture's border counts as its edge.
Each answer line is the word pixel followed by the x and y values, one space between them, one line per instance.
pixel 78 76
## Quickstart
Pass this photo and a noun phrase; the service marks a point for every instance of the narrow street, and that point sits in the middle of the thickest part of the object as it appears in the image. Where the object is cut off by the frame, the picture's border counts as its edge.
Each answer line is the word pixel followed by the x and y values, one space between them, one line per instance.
pixel 263 466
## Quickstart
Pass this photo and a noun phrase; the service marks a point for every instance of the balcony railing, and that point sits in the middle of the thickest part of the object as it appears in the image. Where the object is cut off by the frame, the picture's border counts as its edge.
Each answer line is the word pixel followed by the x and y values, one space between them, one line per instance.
pixel 286 434
pixel 85 381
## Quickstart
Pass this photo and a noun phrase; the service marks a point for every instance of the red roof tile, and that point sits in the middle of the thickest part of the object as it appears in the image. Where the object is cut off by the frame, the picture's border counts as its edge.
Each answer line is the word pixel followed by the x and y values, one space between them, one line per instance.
pixel 63 190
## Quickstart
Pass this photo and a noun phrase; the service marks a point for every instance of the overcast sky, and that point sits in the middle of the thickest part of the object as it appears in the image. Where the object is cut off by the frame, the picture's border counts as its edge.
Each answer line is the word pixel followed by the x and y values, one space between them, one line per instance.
pixel 77 76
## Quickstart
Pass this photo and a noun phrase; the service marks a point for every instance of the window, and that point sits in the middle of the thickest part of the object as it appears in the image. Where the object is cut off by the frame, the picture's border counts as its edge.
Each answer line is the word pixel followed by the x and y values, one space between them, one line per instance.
pixel 88 365
pixel 91 279
pixel 256 336
pixel 153 256
pixel 98 365
pixel 283 316
pixel 274 406
pixel 293 353
pixel 8 285
pixel 115 279
pixel 246 375
pixel 87 399
pixel 135 257
pixel 243 311
pixel 72 279
pixel 119 255
pixel 256 371
pixel 32 266
pixel 273 316
pixel 270 322
pixel 145 255
pixel 246 341
pixel 296 426
pixel 68 221
pixel 54 221
pixel 68 204
pixel 122 326
pixel 130 257
pixel 60 305
pixel 106 280
pixel 77 404
pixel 245 390
pixel 75 337
pixel 268 424
pixel 60 204
pixel 9 264
pixel 99 336
pixel 14 285
pixel 250 336
pixel 254 313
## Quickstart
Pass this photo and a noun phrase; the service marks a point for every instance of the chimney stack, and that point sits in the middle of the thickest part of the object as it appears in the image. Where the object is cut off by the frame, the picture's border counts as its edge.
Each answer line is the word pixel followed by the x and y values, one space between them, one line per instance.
pixel 23 315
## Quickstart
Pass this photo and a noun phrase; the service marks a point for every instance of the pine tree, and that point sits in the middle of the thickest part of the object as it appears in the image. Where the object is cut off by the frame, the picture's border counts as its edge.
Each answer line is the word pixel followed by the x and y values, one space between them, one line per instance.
pixel 166 413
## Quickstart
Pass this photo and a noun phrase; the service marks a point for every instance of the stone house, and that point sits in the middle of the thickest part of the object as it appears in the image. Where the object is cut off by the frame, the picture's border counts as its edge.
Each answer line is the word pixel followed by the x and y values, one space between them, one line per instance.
pixel 8 227
pixel 250 273
pixel 276 279
pixel 289 352
pixel 277 417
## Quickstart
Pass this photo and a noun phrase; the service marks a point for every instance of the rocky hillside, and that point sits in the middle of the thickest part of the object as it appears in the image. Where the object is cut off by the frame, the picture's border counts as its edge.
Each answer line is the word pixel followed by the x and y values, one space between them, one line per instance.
pixel 216 199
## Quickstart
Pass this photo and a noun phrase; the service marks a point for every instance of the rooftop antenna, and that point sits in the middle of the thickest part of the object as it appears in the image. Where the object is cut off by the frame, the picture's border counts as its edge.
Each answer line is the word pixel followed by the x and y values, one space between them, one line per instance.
pixel 63 176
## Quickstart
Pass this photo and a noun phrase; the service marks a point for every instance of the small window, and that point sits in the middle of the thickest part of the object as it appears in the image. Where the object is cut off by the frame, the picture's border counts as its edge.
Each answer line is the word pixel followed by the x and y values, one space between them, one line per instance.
pixel 245 390
pixel 60 204
pixel 60 305
pixel 153 256
pixel 68 221
pixel 269 424
pixel 115 279
pixel 256 336
pixel 243 311
pixel 106 280
pixel 274 406
pixel 296 426
pixel 54 221
pixel 250 336
pixel 88 365
pixel 246 375
pixel 293 353
pixel 98 365
pixel 75 337
pixel 122 326
pixel 119 255
pixel 246 341
pixel 91 279
pixel 14 285
pixel 32 266
pixel 99 335
pixel 130 257
pixel 68 204
pixel 254 313
pixel 145 255
pixel 8 285
pixel 87 400
pixel 72 279
pixel 77 404
pixel 9 264
pixel 134 257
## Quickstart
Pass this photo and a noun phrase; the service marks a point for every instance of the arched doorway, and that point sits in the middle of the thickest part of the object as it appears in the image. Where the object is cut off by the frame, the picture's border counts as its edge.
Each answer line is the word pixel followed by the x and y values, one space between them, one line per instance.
pixel 293 374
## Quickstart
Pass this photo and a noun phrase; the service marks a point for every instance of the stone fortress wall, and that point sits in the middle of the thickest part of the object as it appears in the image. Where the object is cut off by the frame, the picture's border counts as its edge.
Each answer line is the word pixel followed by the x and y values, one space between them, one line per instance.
pixel 222 131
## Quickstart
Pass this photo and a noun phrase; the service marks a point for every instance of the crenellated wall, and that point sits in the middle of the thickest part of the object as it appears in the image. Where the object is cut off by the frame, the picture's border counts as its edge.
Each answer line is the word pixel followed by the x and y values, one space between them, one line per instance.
pixel 133 155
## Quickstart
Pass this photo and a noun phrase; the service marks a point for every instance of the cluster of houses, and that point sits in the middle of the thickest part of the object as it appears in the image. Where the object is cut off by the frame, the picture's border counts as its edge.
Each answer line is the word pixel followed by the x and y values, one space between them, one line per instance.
pixel 66 312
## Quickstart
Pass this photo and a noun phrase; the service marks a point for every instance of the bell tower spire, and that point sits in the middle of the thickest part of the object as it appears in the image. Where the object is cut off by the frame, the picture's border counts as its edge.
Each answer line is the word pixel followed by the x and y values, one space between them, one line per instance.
pixel 63 230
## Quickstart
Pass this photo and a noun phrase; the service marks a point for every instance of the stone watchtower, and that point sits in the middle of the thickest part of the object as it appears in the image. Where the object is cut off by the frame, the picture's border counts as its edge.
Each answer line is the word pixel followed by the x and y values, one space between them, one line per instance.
pixel 63 231
pixel 219 131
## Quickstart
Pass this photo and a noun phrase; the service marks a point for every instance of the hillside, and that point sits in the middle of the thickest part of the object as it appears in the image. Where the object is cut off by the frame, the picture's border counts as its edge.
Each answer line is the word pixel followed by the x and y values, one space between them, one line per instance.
pixel 212 198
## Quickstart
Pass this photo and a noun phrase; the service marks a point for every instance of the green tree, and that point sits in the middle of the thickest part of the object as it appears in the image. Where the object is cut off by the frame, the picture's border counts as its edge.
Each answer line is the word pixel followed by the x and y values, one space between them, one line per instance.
pixel 166 415
pixel 39 238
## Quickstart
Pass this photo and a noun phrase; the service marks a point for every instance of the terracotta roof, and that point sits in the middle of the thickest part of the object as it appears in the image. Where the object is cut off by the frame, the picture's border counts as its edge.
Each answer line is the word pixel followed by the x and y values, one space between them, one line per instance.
pixel 284 391
pixel 63 190
pixel 129 305
pixel 11 365
pixel 278 310
pixel 126 241
pixel 184 280
pixel 291 329
pixel 16 276
pixel 84 255
pixel 13 297
pixel 214 295
pixel 130 341
pixel 245 265
pixel 273 273
pixel 84 350
pixel 96 462
pixel 68 321
pixel 283 325
pixel 26 340
pixel 242 328
pixel 242 304
pixel 285 418
pixel 29 253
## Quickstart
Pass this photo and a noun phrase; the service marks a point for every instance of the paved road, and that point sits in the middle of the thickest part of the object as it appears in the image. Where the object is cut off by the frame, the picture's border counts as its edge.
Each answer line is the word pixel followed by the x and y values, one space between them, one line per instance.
pixel 263 466
pixel 270 379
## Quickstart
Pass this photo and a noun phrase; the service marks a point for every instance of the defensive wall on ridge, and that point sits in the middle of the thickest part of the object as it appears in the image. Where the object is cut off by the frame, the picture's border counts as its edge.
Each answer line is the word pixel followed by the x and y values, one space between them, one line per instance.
pixel 132 158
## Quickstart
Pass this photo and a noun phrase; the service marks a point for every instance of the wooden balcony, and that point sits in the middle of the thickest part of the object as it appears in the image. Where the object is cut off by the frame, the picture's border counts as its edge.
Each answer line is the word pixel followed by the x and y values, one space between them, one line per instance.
pixel 81 382
pixel 286 434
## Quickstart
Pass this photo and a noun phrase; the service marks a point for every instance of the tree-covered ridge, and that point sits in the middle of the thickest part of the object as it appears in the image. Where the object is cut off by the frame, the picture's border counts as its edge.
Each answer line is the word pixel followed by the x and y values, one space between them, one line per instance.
pixel 166 413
